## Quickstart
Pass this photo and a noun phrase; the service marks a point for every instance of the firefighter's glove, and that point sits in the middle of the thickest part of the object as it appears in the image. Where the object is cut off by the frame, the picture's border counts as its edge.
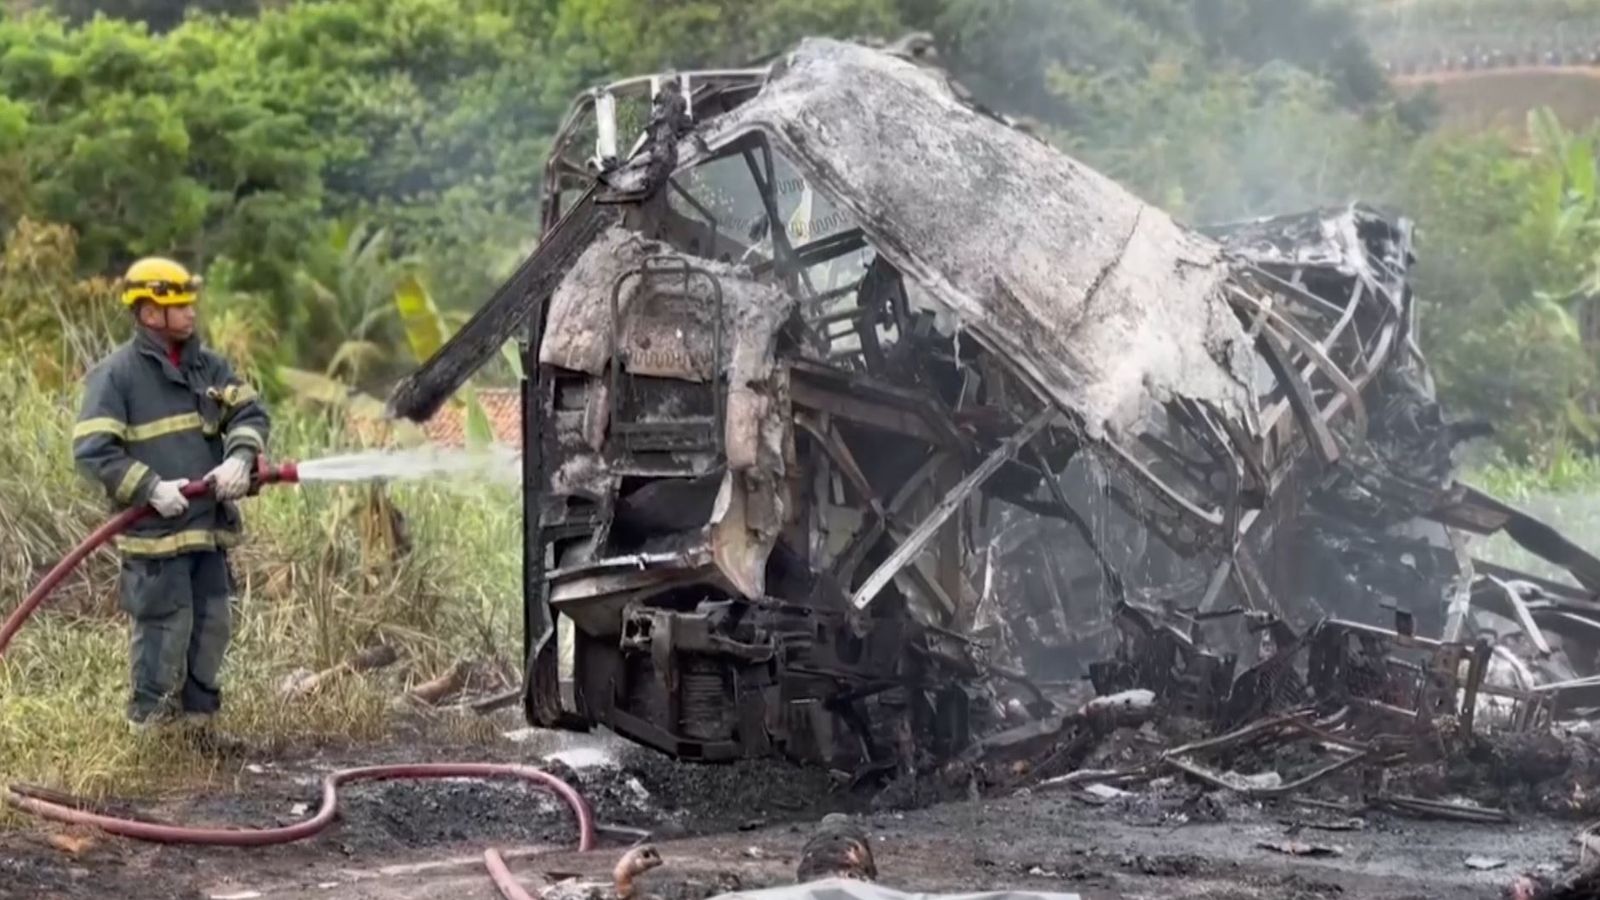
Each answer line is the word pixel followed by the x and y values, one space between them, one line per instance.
pixel 168 498
pixel 231 480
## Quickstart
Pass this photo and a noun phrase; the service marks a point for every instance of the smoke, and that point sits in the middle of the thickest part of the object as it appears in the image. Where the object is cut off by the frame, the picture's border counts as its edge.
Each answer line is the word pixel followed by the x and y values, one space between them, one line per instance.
pixel 1215 110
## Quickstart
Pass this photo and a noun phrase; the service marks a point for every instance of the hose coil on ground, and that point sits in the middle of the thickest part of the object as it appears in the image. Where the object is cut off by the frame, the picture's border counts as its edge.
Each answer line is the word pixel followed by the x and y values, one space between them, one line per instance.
pixel 49 806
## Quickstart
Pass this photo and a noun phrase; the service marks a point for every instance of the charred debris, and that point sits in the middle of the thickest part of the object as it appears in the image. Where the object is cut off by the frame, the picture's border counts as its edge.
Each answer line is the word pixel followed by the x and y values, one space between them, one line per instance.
pixel 865 428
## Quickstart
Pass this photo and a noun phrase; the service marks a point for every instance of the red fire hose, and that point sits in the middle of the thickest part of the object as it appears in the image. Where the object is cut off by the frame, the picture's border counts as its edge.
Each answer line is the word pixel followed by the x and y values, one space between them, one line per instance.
pixel 113 527
pixel 25 798
pixel 35 802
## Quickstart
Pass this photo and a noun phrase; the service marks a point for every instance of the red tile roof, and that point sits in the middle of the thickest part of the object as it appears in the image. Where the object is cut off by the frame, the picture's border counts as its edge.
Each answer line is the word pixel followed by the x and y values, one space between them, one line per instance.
pixel 503 406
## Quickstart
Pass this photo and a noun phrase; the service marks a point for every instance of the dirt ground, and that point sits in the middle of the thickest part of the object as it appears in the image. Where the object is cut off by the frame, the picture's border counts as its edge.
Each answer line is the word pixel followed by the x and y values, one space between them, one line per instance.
pixel 1499 99
pixel 727 827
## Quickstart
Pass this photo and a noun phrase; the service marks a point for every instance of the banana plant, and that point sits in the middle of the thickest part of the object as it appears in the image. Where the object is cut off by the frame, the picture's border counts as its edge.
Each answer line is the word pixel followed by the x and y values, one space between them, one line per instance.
pixel 424 326
pixel 426 331
pixel 350 316
pixel 1563 218
pixel 357 406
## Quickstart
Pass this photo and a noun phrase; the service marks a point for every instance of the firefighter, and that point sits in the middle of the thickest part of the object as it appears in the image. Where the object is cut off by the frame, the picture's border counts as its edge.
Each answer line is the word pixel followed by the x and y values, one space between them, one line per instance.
pixel 159 412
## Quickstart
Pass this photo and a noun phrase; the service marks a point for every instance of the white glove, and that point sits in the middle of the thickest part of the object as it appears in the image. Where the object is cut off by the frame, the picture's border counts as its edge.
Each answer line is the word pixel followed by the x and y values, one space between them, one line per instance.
pixel 231 480
pixel 168 498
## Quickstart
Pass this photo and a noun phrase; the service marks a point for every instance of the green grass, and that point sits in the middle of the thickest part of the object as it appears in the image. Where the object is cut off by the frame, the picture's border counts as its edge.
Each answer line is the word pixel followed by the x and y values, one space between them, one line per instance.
pixel 1563 491
pixel 320 576
pixel 1565 473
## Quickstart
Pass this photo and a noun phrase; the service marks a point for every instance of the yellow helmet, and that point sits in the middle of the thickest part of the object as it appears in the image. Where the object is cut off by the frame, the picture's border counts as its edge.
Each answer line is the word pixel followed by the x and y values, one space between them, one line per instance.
pixel 161 281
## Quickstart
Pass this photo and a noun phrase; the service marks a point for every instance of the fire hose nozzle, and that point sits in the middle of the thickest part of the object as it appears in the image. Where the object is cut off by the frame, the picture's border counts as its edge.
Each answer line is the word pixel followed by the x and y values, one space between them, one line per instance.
pixel 284 472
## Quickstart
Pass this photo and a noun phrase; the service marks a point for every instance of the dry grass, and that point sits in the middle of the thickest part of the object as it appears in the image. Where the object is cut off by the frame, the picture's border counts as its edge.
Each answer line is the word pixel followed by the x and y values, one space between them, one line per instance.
pixel 1500 99
pixel 323 574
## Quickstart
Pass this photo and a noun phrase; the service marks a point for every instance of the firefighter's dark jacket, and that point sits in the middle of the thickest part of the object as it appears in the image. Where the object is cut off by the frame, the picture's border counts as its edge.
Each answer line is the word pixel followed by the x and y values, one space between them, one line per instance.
pixel 144 420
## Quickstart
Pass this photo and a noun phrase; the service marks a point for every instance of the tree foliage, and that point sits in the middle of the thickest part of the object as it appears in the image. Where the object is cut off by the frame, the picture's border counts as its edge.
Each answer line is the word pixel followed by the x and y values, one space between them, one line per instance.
pixel 158 14
pixel 251 138
pixel 146 144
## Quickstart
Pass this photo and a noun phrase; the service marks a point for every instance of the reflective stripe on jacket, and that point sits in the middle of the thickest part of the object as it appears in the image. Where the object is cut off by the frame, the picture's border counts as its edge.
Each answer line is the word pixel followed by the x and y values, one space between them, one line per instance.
pixel 144 420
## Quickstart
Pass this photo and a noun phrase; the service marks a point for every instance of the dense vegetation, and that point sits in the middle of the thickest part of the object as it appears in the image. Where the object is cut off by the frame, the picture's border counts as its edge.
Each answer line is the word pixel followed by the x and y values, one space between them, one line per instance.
pixel 321 158
pixel 308 153
pixel 430 570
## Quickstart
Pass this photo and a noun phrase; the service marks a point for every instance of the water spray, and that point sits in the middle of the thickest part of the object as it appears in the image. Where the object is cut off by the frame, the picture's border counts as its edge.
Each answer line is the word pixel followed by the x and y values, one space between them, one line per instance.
pixel 353 468
pixel 495 464
pixel 373 466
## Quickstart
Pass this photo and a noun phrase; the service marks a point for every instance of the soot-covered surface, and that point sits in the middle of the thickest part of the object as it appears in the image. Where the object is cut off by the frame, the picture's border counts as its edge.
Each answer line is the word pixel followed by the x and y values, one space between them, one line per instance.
pixel 705 799
pixel 625 784
pixel 385 817
pixel 741 826
pixel 1101 300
